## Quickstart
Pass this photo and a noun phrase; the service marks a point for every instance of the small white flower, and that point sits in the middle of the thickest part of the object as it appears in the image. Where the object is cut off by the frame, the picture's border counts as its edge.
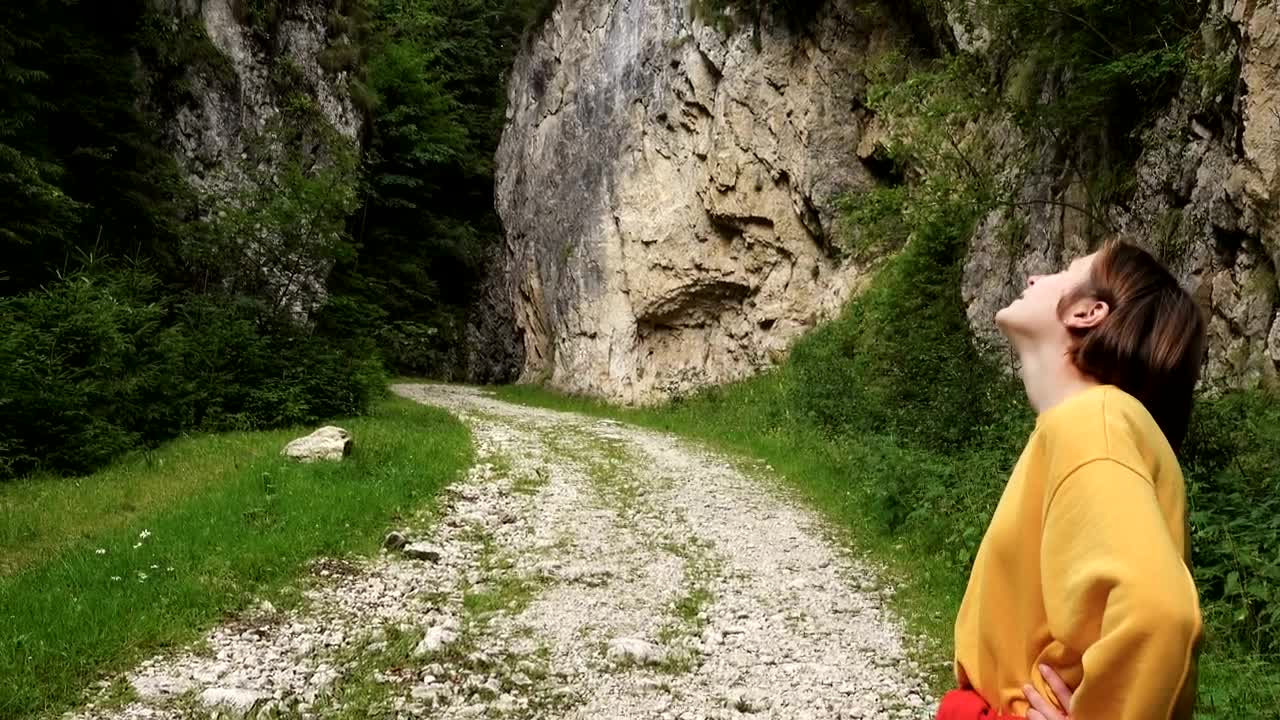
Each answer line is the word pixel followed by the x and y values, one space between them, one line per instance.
pixel 115 578
pixel 169 569
pixel 100 551
pixel 142 576
pixel 144 534
pixel 137 545
pixel 155 567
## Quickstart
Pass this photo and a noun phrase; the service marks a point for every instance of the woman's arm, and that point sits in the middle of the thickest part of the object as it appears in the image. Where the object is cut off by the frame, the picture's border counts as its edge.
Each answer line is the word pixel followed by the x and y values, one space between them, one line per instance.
pixel 1117 590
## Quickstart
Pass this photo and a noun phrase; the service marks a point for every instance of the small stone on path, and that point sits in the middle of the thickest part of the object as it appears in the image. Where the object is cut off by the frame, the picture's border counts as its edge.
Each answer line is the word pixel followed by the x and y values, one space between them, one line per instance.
pixel 634 651
pixel 423 551
pixel 434 641
pixel 235 702
pixel 395 540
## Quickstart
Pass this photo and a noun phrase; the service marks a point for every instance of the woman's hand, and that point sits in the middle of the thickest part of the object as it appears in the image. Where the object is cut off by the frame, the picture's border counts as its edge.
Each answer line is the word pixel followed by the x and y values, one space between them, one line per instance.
pixel 1042 709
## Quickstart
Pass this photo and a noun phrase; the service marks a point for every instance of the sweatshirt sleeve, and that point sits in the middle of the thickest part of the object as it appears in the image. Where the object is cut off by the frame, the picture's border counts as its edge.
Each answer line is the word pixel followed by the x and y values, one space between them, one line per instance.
pixel 1118 592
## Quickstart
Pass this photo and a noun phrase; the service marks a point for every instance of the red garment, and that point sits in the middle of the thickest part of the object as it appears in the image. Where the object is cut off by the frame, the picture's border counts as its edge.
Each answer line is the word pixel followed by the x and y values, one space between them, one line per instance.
pixel 968 705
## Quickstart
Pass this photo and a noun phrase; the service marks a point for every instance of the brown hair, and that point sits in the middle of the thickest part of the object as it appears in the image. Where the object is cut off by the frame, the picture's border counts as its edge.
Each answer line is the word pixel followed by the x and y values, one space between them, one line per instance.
pixel 1151 342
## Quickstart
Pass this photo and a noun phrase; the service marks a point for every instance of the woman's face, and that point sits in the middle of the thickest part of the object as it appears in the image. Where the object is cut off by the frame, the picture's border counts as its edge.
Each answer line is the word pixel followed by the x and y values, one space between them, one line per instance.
pixel 1034 314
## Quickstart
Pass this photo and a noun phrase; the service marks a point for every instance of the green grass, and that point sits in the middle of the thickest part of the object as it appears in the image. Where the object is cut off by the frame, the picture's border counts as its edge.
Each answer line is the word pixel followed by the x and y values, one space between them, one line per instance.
pixel 503 591
pixel 226 518
pixel 40 516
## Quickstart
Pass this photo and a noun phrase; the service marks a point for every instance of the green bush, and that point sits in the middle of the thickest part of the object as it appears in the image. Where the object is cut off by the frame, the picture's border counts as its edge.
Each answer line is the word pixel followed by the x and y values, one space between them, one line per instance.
pixel 71 360
pixel 899 371
pixel 902 356
pixel 1232 462
pixel 103 362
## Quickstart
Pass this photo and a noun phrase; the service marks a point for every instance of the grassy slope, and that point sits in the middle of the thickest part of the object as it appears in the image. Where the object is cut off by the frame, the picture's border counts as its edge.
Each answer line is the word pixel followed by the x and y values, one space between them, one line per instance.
pixel 888 422
pixel 226 518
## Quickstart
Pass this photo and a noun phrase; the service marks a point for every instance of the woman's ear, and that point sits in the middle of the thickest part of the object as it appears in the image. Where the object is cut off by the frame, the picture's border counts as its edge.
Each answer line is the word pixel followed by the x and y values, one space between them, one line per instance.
pixel 1086 313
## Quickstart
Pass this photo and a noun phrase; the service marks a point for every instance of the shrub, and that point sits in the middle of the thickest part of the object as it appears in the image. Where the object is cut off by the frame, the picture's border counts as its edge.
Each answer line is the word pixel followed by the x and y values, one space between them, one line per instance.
pixel 1233 471
pixel 71 360
pixel 102 362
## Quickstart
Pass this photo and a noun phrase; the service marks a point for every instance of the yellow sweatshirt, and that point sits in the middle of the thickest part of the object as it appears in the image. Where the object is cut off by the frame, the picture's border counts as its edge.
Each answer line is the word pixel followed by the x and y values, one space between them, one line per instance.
pixel 1084 568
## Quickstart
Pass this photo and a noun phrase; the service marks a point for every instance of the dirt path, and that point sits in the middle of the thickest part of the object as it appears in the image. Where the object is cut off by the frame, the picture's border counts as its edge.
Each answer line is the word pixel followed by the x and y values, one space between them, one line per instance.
pixel 585 569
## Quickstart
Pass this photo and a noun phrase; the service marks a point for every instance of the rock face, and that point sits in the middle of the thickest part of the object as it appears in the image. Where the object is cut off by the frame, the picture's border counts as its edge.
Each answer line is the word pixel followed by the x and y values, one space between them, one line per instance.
pixel 236 83
pixel 227 108
pixel 669 190
pixel 669 193
pixel 327 443
pixel 1208 182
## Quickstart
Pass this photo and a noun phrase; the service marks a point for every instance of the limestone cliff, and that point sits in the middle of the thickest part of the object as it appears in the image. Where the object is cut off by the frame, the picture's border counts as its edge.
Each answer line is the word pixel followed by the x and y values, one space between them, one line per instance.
pixel 669 195
pixel 1208 181
pixel 235 81
pixel 209 132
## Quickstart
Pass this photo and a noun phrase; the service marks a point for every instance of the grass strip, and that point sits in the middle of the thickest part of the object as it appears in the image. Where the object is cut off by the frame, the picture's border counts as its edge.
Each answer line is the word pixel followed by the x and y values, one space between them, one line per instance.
pixel 208 524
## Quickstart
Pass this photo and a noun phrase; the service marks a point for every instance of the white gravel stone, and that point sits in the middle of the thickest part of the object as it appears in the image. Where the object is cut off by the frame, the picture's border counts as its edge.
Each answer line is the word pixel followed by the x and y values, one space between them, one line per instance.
pixel 634 651
pixel 434 641
pixel 233 702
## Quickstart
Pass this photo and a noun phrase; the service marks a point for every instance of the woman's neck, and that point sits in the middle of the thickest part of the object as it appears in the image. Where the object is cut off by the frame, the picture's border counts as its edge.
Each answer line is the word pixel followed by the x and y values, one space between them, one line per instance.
pixel 1049 376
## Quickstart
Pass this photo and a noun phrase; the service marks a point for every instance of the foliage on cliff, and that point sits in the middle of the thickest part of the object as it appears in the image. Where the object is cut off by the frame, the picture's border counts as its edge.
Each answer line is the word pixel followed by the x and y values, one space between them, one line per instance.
pixel 133 308
pixel 434 81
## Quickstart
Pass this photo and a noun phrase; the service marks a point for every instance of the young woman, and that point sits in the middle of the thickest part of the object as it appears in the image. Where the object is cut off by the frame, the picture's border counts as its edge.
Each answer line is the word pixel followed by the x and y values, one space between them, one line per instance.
pixel 1081 581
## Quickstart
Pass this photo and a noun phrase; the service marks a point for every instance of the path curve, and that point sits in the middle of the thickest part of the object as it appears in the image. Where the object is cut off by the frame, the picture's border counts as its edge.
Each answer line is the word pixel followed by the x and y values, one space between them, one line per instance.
pixel 585 569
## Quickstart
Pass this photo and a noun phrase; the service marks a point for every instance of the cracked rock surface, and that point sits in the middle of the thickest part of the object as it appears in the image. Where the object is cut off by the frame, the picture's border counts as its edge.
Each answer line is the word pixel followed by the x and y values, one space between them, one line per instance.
pixel 584 569
pixel 669 195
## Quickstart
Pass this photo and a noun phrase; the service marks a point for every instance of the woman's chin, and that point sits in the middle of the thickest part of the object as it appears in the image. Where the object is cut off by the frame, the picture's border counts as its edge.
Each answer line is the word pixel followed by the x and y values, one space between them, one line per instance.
pixel 1010 322
pixel 1003 318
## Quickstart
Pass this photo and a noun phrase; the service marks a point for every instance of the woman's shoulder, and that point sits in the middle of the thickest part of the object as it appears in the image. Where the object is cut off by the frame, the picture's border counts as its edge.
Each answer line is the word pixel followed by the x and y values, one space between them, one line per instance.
pixel 1104 423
